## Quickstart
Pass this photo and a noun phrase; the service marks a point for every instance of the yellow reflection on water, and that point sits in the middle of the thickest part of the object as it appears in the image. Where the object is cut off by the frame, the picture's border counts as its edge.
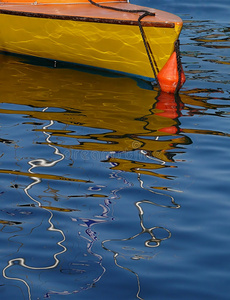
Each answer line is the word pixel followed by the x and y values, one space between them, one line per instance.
pixel 131 118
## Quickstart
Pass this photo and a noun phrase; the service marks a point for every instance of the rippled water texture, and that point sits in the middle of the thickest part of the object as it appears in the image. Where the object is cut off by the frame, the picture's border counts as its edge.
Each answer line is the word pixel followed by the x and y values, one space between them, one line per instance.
pixel 111 191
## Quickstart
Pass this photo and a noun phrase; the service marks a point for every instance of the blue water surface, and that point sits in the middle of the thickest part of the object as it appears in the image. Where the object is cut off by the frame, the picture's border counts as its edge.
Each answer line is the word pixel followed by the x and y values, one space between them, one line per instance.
pixel 108 190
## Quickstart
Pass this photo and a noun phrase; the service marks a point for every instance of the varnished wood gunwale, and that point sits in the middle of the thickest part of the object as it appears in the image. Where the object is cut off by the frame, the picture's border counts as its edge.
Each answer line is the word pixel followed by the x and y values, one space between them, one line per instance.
pixel 87 19
pixel 89 13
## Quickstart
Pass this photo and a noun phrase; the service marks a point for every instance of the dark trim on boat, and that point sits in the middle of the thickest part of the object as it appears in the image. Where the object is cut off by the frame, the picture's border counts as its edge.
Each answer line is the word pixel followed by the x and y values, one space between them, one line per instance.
pixel 86 19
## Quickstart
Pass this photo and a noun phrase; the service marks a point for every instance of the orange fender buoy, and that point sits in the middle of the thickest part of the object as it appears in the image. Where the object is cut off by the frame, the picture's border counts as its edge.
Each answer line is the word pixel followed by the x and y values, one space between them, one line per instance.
pixel 168 76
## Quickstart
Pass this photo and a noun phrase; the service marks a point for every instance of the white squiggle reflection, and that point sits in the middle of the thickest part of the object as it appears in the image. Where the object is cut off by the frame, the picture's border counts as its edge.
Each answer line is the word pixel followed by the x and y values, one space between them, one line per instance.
pixel 174 204
pixel 91 238
pixel 152 242
pixel 89 249
pixel 34 164
pixel 145 153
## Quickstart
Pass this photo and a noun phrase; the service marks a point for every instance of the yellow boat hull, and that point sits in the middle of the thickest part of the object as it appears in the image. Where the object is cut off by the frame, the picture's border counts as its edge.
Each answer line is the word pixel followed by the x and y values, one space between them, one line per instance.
pixel 107 45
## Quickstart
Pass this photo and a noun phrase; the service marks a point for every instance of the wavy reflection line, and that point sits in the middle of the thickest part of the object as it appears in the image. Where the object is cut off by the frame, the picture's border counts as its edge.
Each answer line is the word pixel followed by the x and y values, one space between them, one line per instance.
pixel 89 250
pixel 90 238
pixel 145 153
pixel 116 254
pixel 152 242
pixel 174 206
pixel 34 164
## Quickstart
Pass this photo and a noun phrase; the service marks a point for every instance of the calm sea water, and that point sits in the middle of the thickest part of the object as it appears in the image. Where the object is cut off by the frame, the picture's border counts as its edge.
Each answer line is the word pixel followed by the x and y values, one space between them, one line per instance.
pixel 110 191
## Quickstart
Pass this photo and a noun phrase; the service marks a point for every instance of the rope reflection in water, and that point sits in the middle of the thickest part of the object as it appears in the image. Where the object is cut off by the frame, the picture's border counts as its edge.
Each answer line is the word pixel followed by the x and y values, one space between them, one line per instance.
pixel 153 240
